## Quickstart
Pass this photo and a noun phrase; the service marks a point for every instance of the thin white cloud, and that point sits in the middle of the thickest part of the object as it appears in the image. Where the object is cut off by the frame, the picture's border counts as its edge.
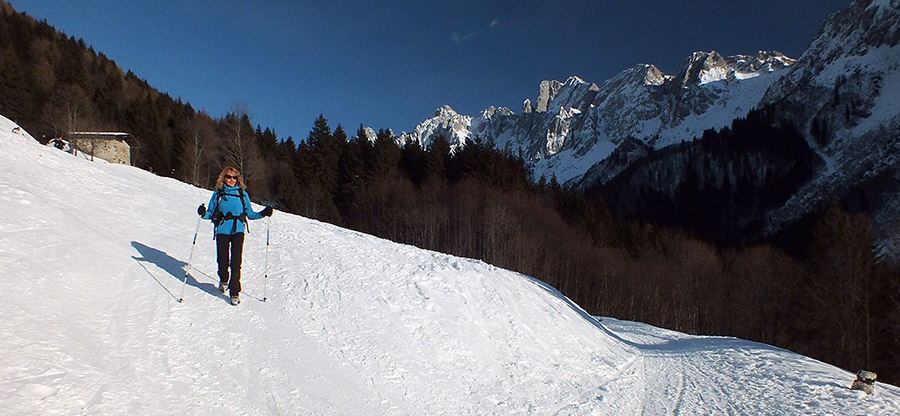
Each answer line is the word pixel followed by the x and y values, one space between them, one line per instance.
pixel 459 38
pixel 494 23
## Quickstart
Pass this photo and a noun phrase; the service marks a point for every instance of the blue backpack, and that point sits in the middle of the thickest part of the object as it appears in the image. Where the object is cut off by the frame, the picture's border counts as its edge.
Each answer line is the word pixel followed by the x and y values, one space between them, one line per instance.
pixel 218 217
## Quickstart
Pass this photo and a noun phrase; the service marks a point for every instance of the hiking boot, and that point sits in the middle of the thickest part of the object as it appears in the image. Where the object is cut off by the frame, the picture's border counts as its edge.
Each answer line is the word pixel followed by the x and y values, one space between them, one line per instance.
pixel 223 287
pixel 235 300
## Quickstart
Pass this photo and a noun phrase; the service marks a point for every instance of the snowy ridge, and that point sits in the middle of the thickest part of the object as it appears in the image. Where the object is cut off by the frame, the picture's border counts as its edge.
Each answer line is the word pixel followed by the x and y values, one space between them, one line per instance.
pixel 92 257
pixel 575 124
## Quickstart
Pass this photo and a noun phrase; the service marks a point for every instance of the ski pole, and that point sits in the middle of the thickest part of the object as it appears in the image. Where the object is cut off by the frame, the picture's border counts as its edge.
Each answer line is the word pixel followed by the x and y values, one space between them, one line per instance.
pixel 266 279
pixel 191 258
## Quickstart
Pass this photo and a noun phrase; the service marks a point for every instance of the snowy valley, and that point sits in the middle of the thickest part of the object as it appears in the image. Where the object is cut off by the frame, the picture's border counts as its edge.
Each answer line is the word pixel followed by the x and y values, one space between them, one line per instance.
pixel 93 257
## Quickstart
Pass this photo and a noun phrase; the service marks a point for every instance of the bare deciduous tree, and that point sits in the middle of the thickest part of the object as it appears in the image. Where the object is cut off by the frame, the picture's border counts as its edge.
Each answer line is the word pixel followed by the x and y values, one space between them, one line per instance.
pixel 842 283
pixel 68 109
pixel 240 147
pixel 199 136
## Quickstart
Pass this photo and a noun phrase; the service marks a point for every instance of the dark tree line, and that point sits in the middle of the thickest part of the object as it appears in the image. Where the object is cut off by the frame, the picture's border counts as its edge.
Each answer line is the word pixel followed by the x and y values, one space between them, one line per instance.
pixel 830 300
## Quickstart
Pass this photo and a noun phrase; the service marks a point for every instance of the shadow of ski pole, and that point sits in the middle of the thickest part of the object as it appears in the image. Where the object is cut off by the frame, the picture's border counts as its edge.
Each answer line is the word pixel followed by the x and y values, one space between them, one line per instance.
pixel 154 278
pixel 175 267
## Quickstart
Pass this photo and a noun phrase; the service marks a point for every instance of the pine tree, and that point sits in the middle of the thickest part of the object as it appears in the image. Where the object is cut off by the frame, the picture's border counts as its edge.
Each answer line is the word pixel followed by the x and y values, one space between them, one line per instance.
pixel 387 154
pixel 414 161
pixel 318 161
pixel 437 160
pixel 319 132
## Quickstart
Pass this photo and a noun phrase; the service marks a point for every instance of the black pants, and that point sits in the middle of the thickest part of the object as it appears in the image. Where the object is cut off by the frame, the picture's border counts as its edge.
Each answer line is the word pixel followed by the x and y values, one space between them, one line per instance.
pixel 233 245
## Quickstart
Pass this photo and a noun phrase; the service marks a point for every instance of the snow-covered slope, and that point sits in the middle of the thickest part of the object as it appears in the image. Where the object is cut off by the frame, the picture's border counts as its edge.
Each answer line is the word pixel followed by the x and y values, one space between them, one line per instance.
pixel 92 257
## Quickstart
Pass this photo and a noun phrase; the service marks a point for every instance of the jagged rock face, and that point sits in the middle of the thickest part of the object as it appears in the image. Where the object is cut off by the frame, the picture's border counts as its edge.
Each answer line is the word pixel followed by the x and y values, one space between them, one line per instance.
pixel 492 123
pixel 705 67
pixel 547 90
pixel 575 124
pixel 447 123
pixel 843 71
pixel 526 107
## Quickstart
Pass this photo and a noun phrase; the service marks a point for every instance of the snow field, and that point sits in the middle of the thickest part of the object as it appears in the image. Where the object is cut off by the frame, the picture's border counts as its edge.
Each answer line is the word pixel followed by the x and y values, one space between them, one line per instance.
pixel 92 257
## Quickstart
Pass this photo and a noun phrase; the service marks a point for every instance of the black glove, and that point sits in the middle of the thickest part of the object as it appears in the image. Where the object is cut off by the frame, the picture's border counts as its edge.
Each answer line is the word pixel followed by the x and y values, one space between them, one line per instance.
pixel 266 212
pixel 201 210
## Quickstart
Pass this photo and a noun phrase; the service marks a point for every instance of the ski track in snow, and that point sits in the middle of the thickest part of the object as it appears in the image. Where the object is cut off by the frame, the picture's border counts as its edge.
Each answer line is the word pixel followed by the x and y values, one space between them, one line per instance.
pixel 93 256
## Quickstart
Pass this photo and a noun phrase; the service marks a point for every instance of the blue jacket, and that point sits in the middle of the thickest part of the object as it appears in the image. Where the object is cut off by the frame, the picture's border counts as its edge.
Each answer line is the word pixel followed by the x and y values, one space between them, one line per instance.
pixel 230 203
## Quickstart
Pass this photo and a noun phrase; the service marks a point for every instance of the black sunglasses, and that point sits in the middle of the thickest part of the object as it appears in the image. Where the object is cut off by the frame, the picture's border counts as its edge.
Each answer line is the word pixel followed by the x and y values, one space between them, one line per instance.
pixel 230 177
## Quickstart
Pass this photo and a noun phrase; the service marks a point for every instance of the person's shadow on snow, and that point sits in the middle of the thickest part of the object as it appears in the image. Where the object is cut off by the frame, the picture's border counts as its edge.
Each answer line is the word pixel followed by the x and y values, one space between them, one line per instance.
pixel 171 265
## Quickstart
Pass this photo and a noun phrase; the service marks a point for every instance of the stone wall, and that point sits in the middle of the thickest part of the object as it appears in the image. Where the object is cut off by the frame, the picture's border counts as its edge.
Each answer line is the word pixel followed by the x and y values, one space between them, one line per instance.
pixel 110 150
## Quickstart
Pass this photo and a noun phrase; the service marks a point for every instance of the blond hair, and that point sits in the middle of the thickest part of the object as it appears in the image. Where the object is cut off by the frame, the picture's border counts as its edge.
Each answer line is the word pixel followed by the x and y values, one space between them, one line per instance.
pixel 220 183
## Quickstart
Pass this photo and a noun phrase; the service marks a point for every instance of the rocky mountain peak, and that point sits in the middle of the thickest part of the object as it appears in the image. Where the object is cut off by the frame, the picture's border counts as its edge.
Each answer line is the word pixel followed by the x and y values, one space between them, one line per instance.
pixel 492 112
pixel 653 76
pixel 706 67
pixel 446 112
pixel 555 96
pixel 546 92
pixel 446 122
pixel 638 76
pixel 527 108
pixel 702 68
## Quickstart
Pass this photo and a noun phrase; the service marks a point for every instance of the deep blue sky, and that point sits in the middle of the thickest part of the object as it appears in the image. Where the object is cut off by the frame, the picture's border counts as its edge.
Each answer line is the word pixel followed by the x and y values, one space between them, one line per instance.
pixel 391 64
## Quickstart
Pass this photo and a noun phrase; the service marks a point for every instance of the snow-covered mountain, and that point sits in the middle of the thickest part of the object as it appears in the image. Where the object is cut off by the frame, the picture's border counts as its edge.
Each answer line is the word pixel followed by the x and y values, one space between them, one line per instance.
pixel 93 257
pixel 573 125
pixel 844 91
pixel 841 94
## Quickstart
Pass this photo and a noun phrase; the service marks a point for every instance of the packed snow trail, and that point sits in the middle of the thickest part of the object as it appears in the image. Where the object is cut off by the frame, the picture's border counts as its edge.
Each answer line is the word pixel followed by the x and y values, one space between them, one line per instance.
pixel 92 259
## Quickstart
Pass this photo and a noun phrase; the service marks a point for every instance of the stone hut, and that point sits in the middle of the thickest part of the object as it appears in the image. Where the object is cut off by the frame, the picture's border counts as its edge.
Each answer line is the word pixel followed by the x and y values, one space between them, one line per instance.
pixel 112 147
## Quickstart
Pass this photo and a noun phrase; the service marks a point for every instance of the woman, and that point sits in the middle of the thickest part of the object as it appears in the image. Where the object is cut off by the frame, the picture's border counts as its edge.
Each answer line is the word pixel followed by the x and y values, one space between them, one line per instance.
pixel 229 210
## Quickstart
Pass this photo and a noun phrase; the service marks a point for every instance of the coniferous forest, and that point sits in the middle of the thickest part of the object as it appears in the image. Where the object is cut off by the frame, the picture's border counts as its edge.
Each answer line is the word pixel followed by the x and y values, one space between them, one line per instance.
pixel 819 292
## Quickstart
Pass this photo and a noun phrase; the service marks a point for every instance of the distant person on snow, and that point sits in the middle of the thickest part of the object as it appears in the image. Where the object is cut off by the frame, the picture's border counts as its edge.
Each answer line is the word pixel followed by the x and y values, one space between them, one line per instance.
pixel 229 210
